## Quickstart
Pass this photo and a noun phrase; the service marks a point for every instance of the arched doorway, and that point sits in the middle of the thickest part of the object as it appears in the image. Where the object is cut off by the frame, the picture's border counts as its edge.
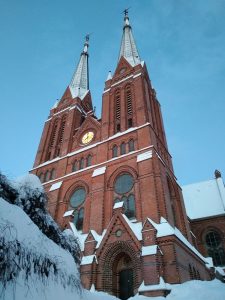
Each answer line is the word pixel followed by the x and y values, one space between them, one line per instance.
pixel 123 276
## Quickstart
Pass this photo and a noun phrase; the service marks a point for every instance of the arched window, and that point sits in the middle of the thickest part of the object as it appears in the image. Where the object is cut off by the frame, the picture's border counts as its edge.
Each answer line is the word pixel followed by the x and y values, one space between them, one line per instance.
pixel 76 201
pixel 128 96
pixel 172 201
pixel 88 160
pixel 117 111
pixel 190 272
pixel 52 174
pixel 198 275
pixel 122 148
pixel 41 177
pixel 114 151
pixel 81 164
pixel 215 249
pixel 131 145
pixel 80 219
pixel 60 136
pixel 47 174
pixel 75 166
pixel 124 191
pixel 52 140
pixel 61 130
pixel 194 273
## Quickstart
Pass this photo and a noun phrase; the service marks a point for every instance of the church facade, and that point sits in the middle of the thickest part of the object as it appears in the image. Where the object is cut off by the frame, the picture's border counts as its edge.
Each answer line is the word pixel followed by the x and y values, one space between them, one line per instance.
pixel 112 181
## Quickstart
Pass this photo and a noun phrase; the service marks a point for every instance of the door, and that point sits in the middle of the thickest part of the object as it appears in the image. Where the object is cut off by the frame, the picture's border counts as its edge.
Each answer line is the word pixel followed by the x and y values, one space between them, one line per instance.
pixel 126 284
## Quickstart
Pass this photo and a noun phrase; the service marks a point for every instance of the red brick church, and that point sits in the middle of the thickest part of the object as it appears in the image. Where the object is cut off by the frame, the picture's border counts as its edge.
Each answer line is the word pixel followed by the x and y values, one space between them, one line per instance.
pixel 112 180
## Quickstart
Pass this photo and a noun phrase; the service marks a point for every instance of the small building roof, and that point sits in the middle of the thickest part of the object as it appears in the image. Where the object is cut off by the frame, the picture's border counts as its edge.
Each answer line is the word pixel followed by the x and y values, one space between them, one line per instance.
pixel 204 199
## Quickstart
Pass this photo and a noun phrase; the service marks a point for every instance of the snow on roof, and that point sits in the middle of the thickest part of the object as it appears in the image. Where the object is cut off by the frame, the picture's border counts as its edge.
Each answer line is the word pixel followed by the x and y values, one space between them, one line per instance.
pixel 87 260
pixel 118 205
pixel 55 186
pixel 144 156
pixel 148 250
pixel 220 271
pixel 135 227
pixel 81 237
pixel 99 171
pixel 68 213
pixel 161 286
pixel 204 199
pixel 165 229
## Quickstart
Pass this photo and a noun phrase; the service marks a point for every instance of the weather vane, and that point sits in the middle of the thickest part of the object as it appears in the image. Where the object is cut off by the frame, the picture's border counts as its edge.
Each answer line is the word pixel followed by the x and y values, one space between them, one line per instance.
pixel 125 11
pixel 87 37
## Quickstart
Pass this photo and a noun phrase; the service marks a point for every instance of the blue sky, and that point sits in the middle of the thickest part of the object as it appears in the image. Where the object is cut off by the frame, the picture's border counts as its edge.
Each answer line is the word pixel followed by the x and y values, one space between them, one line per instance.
pixel 182 43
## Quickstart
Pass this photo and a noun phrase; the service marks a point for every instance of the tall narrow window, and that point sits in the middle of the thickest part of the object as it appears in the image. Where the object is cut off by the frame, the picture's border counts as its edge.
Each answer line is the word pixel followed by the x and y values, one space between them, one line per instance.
pixel 81 163
pixel 47 174
pixel 172 201
pixel 88 164
pixel 190 272
pixel 52 174
pixel 80 219
pixel 128 96
pixel 114 151
pixel 117 111
pixel 62 129
pixel 41 177
pixel 131 145
pixel 122 148
pixel 52 139
pixel 130 207
pixel 75 166
pixel 60 136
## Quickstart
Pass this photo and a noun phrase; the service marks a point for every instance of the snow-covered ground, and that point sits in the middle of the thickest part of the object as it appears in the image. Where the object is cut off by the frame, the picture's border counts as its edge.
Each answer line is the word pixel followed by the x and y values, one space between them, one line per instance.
pixel 53 274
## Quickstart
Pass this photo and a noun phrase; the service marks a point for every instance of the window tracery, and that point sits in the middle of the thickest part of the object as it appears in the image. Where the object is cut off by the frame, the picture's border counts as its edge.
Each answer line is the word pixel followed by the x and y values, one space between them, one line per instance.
pixel 124 191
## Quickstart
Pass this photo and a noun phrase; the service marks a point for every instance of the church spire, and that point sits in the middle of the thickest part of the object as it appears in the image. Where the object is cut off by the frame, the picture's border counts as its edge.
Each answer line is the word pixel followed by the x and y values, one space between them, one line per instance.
pixel 128 47
pixel 79 84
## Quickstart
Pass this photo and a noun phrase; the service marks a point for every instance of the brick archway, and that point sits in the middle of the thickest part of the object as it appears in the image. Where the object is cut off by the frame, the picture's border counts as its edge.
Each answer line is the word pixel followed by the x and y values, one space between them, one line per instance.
pixel 120 256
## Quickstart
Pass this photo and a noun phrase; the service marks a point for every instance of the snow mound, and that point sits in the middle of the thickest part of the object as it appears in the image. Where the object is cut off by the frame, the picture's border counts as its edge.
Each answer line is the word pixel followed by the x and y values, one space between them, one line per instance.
pixel 31 265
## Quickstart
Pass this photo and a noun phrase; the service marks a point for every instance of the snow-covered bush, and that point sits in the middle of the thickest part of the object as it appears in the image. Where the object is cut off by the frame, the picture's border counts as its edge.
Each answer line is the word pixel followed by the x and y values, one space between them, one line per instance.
pixel 31 243
pixel 28 193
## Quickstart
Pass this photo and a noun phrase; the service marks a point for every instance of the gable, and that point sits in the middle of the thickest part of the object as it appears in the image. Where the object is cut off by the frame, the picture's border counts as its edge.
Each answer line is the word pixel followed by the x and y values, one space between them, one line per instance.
pixel 91 124
pixel 122 68
pixel 119 230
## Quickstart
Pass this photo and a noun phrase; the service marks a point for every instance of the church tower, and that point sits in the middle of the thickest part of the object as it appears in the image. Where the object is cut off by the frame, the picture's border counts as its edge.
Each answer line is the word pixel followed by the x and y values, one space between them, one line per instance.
pixel 112 181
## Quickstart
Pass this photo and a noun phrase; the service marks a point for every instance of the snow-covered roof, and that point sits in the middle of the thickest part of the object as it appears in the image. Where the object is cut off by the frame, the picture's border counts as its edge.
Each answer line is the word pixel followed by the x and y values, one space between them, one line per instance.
pixel 165 229
pixel 135 227
pixel 55 186
pixel 68 213
pixel 99 171
pixel 118 205
pixel 144 156
pixel 87 260
pixel 148 250
pixel 204 199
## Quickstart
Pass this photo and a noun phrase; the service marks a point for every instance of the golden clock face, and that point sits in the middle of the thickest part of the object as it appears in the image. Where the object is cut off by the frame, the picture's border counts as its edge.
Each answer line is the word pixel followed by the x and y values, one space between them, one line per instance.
pixel 87 137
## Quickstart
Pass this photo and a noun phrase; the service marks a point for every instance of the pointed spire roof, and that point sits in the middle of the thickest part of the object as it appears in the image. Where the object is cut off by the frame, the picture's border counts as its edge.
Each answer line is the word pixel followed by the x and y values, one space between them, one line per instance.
pixel 128 47
pixel 79 84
